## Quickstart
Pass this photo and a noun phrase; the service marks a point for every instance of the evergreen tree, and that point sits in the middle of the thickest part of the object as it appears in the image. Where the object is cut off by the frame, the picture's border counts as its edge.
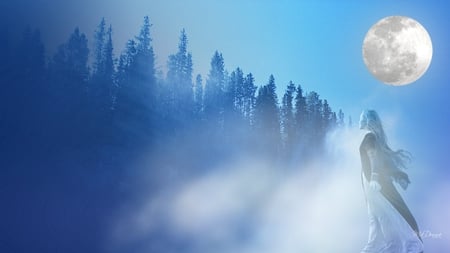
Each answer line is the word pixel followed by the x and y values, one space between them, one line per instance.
pixel 69 78
pixel 267 121
pixel 69 69
pixel 214 89
pixel 102 85
pixel 198 108
pixel 99 42
pixel 249 98
pixel 314 129
pixel 234 93
pixel 287 116
pixel 232 115
pixel 238 84
pixel 340 119
pixel 334 119
pixel 141 105
pixel 70 61
pixel 327 120
pixel 109 68
pixel 301 116
pixel 143 64
pixel 122 77
pixel 135 107
pixel 179 77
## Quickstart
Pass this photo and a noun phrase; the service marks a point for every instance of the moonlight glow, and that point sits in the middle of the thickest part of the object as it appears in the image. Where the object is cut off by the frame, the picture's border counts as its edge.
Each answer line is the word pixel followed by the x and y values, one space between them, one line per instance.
pixel 397 50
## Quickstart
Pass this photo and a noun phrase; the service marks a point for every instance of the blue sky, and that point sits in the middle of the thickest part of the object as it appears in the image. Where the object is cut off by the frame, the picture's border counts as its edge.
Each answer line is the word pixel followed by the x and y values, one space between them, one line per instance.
pixel 314 43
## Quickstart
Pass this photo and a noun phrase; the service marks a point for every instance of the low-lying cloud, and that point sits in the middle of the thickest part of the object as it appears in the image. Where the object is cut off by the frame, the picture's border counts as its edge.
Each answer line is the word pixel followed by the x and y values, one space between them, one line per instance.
pixel 248 206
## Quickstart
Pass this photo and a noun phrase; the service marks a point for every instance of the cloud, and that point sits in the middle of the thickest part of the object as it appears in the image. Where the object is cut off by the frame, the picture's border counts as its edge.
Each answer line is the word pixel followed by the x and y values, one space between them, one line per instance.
pixel 251 206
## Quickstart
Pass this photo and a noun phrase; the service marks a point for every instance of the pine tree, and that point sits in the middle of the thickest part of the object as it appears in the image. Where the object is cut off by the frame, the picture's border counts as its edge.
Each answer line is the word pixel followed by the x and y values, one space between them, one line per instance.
pixel 180 65
pixel 99 41
pixel 267 122
pixel 109 65
pixel 287 115
pixel 249 98
pixel 136 101
pixel 237 82
pixel 301 116
pixel 108 54
pixel 327 123
pixel 69 79
pixel 234 93
pixel 198 107
pixel 70 61
pixel 143 63
pixel 123 69
pixel 213 97
pixel 233 118
pixel 102 87
pixel 314 128
pixel 179 78
pixel 334 119
pixel 341 118
pixel 70 72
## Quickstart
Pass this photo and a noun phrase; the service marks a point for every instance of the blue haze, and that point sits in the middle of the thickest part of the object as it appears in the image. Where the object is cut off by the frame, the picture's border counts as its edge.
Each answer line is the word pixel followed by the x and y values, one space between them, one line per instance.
pixel 314 43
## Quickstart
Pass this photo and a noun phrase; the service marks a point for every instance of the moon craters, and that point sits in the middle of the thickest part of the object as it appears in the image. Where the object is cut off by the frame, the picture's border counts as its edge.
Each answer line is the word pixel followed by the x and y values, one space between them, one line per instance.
pixel 397 50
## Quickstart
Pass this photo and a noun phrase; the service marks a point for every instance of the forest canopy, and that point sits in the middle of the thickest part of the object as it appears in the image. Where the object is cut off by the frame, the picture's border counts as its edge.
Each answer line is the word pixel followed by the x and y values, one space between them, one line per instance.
pixel 66 100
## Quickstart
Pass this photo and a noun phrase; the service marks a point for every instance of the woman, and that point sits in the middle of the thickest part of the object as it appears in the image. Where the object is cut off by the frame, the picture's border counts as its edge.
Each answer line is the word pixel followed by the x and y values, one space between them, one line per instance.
pixel 392 228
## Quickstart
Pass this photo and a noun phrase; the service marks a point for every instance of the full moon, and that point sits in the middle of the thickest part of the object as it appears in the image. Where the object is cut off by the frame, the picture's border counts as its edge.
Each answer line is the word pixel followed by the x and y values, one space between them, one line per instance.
pixel 397 50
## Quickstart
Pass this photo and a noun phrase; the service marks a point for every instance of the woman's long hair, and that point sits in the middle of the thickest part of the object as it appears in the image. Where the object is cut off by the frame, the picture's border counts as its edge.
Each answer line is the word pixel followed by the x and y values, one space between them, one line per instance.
pixel 400 158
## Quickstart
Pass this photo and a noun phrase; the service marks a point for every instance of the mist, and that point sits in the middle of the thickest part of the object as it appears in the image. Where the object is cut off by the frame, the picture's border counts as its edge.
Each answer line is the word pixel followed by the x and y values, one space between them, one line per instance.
pixel 103 152
pixel 249 206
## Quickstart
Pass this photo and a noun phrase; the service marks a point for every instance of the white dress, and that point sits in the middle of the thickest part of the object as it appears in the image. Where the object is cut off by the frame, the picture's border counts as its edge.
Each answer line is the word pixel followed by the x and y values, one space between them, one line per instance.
pixel 389 232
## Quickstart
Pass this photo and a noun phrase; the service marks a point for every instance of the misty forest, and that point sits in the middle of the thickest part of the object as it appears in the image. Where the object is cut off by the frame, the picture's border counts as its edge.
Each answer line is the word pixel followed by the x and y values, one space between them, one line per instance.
pixel 75 123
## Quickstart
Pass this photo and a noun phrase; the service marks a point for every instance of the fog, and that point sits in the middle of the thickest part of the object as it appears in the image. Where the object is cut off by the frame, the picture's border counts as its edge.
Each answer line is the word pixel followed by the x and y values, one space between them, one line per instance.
pixel 249 206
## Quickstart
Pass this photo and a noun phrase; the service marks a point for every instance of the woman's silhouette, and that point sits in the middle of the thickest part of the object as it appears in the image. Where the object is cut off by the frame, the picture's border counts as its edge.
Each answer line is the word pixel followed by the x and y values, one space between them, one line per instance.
pixel 392 228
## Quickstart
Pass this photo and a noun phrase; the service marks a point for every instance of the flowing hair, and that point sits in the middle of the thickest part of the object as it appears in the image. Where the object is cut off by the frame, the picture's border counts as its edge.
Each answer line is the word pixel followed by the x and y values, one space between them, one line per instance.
pixel 400 158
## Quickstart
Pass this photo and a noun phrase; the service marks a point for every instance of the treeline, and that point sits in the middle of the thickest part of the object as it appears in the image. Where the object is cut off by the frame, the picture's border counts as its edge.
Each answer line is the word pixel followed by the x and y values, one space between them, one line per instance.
pixel 63 102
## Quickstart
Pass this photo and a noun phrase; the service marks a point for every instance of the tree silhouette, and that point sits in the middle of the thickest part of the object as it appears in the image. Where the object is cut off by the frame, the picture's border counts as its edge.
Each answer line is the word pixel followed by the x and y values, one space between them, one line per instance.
pixel 102 85
pixel 198 98
pixel 288 120
pixel 249 98
pixel 267 122
pixel 214 89
pixel 179 79
pixel 135 114
pixel 73 125
pixel 123 101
